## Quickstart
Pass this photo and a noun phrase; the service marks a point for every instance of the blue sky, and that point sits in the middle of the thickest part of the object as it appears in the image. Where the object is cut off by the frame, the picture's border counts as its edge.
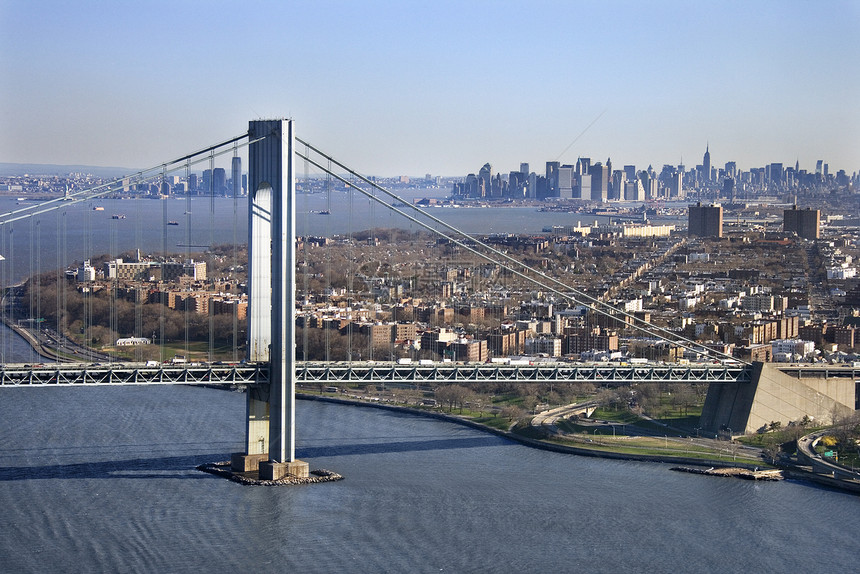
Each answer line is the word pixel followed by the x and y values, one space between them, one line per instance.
pixel 408 88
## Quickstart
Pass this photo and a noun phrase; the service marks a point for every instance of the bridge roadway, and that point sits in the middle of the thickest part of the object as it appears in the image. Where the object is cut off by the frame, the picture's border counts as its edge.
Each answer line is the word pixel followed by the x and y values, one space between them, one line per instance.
pixel 332 373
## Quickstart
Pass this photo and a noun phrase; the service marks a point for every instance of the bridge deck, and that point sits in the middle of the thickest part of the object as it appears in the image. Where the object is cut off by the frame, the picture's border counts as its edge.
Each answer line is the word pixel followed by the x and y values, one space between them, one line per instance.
pixel 342 373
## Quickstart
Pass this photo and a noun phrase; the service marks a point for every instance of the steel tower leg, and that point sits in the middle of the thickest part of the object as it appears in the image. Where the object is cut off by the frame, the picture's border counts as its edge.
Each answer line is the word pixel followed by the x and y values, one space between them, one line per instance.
pixel 271 301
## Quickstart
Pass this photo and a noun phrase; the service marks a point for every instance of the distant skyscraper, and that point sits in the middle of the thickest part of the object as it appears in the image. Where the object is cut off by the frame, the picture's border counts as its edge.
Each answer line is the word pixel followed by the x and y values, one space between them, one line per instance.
pixel 206 188
pixel 729 189
pixel 599 182
pixel 775 174
pixel 619 183
pixel 731 169
pixel 552 175
pixel 192 183
pixel 676 186
pixel 565 182
pixel 485 181
pixel 219 180
pixel 236 176
pixel 705 220
pixel 524 168
pixel 706 163
pixel 630 172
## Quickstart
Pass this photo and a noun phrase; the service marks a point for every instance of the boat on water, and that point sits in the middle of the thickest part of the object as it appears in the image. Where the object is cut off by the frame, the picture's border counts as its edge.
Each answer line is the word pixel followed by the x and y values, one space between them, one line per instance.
pixel 172 223
pixel 321 212
pixel 118 216
pixel 98 208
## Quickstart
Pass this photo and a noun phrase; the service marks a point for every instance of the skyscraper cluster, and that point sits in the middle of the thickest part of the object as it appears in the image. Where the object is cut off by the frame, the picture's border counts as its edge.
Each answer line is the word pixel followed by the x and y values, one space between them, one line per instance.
pixel 600 182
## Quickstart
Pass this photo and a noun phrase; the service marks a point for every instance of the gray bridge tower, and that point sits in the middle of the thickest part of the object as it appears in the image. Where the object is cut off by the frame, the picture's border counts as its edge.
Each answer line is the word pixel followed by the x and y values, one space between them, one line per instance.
pixel 270 432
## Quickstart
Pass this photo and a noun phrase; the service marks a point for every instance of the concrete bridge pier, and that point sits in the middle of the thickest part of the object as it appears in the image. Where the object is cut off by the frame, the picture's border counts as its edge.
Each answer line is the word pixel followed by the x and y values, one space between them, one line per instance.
pixel 775 396
pixel 270 434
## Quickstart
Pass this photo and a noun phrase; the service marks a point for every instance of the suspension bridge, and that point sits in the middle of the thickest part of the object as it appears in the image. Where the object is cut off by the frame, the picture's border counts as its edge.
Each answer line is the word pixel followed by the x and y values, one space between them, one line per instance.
pixel 741 396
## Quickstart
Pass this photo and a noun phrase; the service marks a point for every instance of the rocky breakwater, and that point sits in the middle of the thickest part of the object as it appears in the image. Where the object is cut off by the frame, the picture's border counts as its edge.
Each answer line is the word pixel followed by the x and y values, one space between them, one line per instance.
pixel 223 470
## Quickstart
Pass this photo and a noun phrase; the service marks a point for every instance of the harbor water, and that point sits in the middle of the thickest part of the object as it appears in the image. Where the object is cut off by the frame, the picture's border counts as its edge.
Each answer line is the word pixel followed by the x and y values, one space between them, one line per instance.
pixel 103 480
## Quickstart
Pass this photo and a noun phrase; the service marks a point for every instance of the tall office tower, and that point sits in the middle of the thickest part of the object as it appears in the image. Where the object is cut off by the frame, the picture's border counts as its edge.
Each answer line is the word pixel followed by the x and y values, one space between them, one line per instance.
pixel 192 183
pixel 649 184
pixel 583 166
pixel 729 189
pixel 518 184
pixel 599 182
pixel 471 186
pixel 611 192
pixel 776 174
pixel 731 169
pixel 524 167
pixel 619 184
pixel 706 164
pixel 485 181
pixel 584 186
pixel 805 222
pixel 206 188
pixel 818 166
pixel 219 180
pixel 552 175
pixel 565 182
pixel 705 220
pixel 676 186
pixel 630 172
pixel 633 190
pixel 236 176
pixel 533 186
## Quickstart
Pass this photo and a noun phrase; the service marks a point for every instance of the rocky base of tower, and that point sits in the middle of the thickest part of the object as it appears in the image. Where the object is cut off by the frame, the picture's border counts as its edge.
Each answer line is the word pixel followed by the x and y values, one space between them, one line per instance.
pixel 253 477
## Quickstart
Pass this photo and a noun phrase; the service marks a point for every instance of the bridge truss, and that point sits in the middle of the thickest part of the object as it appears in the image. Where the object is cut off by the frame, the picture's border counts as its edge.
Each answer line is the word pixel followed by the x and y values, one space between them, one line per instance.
pixel 365 373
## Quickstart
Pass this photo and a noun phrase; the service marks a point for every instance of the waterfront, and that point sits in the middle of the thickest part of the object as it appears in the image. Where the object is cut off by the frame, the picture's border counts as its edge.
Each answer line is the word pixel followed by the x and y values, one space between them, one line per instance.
pixel 222 221
pixel 103 479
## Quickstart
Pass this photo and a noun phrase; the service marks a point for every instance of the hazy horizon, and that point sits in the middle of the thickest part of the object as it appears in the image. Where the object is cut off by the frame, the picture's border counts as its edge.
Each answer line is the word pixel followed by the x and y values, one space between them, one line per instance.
pixel 396 88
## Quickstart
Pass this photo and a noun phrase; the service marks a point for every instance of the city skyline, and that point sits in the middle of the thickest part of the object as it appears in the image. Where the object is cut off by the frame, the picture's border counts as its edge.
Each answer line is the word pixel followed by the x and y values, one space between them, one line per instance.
pixel 411 90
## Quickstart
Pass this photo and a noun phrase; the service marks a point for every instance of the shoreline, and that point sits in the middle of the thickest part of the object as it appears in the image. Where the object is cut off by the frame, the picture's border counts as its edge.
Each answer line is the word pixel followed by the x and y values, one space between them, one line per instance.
pixel 789 472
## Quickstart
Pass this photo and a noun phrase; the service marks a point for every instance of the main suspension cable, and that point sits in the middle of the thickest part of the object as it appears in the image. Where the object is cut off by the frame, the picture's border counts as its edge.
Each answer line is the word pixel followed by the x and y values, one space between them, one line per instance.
pixel 592 303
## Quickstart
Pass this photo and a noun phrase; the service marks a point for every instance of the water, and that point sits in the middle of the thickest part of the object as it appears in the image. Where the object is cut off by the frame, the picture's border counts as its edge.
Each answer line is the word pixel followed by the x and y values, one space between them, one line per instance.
pixel 102 480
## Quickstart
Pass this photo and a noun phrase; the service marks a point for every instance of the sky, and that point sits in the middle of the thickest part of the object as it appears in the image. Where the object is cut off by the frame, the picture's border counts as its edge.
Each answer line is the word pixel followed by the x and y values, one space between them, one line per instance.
pixel 409 88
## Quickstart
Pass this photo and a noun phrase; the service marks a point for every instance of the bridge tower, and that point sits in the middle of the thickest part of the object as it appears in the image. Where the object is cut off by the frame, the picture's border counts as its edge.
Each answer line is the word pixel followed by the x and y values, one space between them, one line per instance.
pixel 270 430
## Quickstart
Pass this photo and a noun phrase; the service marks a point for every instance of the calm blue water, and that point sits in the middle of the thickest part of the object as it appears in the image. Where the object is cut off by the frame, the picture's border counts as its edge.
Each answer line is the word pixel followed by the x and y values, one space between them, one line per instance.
pixel 102 480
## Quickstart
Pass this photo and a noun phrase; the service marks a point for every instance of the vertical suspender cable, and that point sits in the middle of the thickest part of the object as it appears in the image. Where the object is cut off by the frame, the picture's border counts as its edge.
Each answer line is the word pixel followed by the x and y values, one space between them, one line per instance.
pixel 62 284
pixel 162 284
pixel 237 187
pixel 208 305
pixel 4 297
pixel 188 213
pixel 112 284
pixel 327 269
pixel 305 263
pixel 137 298
pixel 37 256
pixel 350 276
pixel 32 280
